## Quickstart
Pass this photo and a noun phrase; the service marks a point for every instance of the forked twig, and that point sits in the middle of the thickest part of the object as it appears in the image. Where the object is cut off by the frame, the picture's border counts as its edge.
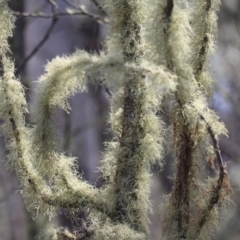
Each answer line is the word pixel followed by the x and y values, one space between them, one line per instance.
pixel 45 37
pixel 54 16
pixel 39 45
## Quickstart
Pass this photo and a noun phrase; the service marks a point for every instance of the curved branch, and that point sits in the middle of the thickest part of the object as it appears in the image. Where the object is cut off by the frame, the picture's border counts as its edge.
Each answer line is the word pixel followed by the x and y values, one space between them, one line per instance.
pixel 80 195
pixel 215 194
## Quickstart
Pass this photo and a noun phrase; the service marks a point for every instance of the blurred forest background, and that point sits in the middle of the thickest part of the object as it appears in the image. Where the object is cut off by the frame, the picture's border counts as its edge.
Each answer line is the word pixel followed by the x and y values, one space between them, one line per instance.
pixel 39 36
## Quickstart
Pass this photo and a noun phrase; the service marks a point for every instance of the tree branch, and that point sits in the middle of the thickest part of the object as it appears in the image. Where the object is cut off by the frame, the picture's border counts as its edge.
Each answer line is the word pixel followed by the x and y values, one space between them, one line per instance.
pixel 215 194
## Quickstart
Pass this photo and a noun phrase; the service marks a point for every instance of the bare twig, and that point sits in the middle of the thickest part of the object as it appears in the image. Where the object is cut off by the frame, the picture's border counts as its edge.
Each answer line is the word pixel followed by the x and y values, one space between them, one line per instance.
pixel 72 5
pixel 99 6
pixel 54 16
pixel 45 37
pixel 168 10
pixel 83 11
pixel 61 14
pixel 39 45
pixel 54 5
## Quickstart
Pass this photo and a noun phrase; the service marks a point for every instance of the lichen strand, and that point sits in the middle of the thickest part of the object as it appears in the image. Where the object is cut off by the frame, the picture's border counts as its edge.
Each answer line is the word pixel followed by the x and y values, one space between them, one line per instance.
pixel 204 24
pixel 16 134
pixel 152 29
pixel 125 26
pixel 7 22
pixel 56 86
pixel 13 106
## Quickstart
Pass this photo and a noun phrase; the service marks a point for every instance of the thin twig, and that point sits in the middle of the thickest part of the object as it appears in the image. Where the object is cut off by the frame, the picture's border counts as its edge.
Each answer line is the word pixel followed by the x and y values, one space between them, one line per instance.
pixel 85 12
pixel 216 146
pixel 215 195
pixel 42 15
pixel 168 9
pixel 109 93
pixel 39 45
pixel 54 5
pixel 73 5
pixel 98 5
pixel 61 14
pixel 44 39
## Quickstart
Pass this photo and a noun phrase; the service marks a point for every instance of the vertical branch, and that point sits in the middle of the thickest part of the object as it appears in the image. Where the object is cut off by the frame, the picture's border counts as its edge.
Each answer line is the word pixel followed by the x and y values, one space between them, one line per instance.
pixel 204 23
pixel 181 191
pixel 130 183
pixel 200 57
pixel 178 59
pixel 17 41
pixel 167 13
pixel 176 37
pixel 13 114
pixel 128 163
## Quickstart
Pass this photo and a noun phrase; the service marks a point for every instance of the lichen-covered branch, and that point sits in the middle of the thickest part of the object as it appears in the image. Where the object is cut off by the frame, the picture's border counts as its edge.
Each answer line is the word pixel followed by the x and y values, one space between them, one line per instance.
pixel 151 56
pixel 204 23
pixel 176 19
pixel 19 143
pixel 130 182
pixel 97 231
pixel 187 140
pixel 215 194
